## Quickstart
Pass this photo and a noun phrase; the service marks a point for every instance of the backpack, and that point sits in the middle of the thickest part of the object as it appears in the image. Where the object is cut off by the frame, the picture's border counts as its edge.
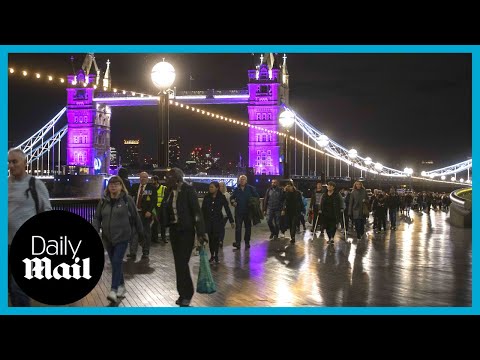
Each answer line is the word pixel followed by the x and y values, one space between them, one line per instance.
pixel 33 190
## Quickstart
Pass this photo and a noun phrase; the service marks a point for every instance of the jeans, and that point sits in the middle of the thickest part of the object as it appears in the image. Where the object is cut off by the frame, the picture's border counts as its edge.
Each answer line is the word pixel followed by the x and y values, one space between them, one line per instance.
pixel 116 253
pixel 17 296
pixel 273 221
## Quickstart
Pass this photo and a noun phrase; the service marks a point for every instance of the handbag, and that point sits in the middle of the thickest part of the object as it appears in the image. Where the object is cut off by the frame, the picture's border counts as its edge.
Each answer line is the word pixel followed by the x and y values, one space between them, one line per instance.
pixel 205 282
pixel 365 210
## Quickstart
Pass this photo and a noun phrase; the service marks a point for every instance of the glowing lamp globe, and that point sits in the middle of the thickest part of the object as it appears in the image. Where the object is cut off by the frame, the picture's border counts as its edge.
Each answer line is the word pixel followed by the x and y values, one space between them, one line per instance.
pixel 163 75
pixel 323 140
pixel 443 177
pixel 286 119
pixel 368 161
pixel 378 166
pixel 424 173
pixel 352 154
pixel 462 180
pixel 453 178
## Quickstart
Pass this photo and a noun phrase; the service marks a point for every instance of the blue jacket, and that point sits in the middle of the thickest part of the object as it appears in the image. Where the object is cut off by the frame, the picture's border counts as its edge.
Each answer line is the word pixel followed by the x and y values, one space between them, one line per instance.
pixel 242 197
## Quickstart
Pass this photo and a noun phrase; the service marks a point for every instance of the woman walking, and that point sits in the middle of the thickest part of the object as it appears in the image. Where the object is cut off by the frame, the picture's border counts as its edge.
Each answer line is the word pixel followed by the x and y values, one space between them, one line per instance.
pixel 213 204
pixel 358 202
pixel 331 208
pixel 223 190
pixel 117 217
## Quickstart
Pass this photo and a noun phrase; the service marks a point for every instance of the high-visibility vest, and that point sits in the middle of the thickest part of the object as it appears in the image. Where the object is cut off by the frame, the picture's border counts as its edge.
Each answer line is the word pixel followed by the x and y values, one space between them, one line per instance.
pixel 160 193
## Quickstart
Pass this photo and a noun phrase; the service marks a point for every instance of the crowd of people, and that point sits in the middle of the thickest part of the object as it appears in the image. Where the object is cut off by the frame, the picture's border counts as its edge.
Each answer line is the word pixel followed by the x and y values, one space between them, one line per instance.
pixel 131 215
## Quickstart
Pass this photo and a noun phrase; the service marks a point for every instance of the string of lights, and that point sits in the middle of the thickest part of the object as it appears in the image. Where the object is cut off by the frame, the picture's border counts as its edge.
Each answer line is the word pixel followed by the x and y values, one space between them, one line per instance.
pixel 61 80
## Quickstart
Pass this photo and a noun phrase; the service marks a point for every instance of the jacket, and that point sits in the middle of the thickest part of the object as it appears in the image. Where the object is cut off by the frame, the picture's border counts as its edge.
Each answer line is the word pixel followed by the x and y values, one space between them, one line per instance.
pixel 357 198
pixel 254 211
pixel 118 219
pixel 189 214
pixel 242 197
pixel 212 212
pixel 274 198
pixel 338 205
pixel 149 198
pixel 293 204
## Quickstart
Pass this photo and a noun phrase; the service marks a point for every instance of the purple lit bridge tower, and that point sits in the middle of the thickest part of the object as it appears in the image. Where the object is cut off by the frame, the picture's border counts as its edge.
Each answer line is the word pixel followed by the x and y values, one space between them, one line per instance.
pixel 89 114
pixel 88 137
pixel 268 89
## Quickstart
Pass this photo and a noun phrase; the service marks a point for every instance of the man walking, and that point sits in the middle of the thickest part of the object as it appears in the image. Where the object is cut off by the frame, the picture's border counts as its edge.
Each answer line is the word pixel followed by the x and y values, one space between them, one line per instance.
pixel 27 196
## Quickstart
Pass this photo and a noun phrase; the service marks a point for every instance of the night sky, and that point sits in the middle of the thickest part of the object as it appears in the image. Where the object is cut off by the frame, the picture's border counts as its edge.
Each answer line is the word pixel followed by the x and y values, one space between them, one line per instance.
pixel 399 109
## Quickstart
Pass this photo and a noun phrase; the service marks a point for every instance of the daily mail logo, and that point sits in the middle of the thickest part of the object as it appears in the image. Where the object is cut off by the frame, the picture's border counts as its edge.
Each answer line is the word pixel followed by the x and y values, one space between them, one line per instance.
pixel 41 268
pixel 56 257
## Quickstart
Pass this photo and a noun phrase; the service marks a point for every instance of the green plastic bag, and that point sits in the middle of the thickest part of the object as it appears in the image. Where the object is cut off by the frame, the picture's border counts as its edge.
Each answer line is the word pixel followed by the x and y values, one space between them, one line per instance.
pixel 205 282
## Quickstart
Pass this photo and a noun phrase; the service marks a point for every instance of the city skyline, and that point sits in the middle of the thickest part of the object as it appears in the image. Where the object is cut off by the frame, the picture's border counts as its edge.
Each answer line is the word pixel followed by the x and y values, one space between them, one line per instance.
pixel 387 106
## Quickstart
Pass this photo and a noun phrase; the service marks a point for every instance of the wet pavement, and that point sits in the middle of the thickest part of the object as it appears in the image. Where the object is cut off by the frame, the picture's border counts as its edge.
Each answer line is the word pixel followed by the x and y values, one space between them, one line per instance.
pixel 425 262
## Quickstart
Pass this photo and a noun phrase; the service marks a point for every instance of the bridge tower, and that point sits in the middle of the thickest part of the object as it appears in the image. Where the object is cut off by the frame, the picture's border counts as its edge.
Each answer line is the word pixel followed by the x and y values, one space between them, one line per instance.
pixel 268 89
pixel 88 135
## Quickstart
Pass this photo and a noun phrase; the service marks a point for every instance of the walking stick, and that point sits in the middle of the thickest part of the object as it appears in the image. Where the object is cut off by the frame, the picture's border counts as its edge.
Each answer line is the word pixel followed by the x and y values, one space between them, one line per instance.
pixel 344 226
pixel 316 223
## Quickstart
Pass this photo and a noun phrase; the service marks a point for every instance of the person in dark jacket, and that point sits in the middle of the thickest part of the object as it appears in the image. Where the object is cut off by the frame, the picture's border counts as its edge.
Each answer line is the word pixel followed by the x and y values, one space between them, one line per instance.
pixel 118 219
pixel 315 206
pixel 358 198
pixel 212 206
pixel 331 208
pixel 393 202
pixel 292 208
pixel 240 199
pixel 272 207
pixel 380 209
pixel 123 173
pixel 145 197
pixel 182 214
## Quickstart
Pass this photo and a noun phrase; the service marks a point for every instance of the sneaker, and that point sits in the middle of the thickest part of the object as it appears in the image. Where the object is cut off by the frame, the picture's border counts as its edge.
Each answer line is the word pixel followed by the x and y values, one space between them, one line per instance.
pixel 271 236
pixel 247 246
pixel 112 296
pixel 121 291
pixel 216 260
pixel 292 241
pixel 145 257
pixel 132 257
pixel 178 301
pixel 220 245
pixel 331 242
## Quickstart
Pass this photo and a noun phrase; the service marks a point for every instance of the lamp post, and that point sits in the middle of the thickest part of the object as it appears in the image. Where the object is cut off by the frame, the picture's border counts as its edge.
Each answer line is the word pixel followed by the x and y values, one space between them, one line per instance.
pixel 163 76
pixel 286 119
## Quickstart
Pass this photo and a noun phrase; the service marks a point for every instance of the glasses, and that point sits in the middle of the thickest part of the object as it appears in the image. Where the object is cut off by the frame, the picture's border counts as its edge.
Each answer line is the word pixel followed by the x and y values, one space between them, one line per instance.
pixel 114 184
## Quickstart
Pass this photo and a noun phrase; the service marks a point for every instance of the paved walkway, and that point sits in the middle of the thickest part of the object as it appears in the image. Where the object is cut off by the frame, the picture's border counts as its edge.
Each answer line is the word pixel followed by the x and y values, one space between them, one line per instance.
pixel 425 262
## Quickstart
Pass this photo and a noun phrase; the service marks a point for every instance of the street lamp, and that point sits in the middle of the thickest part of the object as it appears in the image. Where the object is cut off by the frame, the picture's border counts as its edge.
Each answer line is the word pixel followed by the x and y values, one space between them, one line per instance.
pixel 163 76
pixel 286 119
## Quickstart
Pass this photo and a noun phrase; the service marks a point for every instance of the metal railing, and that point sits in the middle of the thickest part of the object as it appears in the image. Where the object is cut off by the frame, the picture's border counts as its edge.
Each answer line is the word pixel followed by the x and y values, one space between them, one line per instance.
pixel 84 207
pixel 461 202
